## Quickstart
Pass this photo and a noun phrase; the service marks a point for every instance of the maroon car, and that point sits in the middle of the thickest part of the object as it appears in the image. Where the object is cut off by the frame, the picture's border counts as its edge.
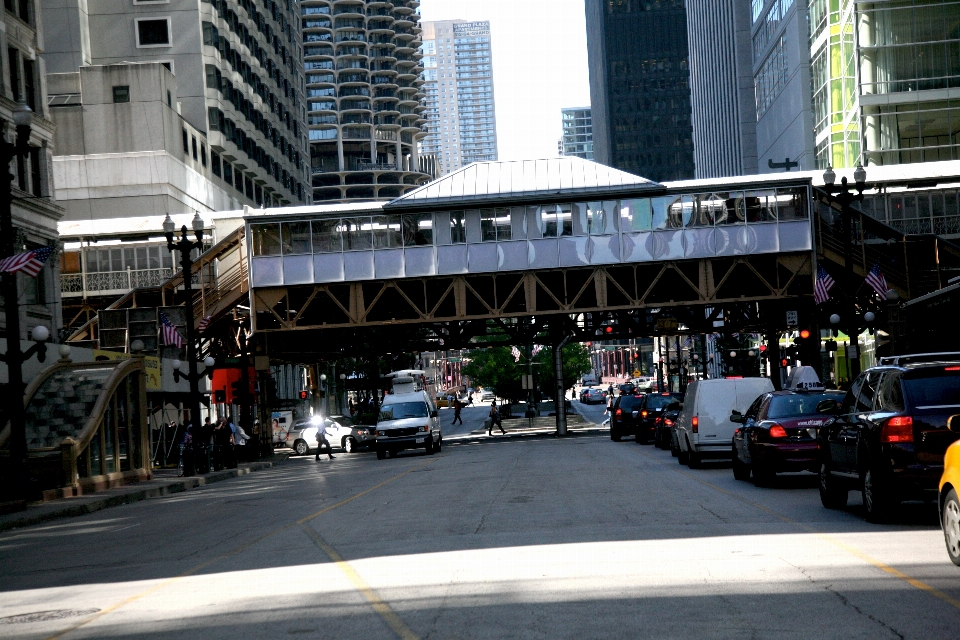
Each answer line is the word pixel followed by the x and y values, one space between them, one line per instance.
pixel 779 433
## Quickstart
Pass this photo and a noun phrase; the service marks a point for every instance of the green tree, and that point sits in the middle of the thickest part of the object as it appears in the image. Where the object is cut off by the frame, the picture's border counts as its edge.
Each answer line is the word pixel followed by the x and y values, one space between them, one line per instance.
pixel 494 368
pixel 576 362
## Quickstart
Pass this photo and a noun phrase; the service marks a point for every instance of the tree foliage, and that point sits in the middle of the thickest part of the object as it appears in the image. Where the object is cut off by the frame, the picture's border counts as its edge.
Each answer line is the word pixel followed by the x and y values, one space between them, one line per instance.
pixel 495 368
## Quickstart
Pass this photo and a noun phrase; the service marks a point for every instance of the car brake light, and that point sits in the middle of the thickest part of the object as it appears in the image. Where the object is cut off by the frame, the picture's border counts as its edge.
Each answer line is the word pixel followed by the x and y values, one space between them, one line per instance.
pixel 644 413
pixel 619 412
pixel 665 394
pixel 777 431
pixel 951 368
pixel 668 422
pixel 897 429
pixel 695 423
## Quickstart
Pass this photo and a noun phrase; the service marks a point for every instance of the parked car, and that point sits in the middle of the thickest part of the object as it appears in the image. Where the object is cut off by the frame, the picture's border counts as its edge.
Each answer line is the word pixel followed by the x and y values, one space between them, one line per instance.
pixel 779 433
pixel 703 428
pixel 949 502
pixel 408 421
pixel 487 395
pixel 592 396
pixel 651 408
pixel 889 436
pixel 664 436
pixel 341 431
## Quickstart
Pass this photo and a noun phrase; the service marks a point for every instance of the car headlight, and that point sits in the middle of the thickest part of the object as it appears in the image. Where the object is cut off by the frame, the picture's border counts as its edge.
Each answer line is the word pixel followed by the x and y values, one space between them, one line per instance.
pixel 424 429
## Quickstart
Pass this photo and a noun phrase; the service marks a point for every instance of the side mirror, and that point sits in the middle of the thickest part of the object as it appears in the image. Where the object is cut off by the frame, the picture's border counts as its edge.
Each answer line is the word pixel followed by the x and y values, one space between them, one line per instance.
pixel 433 414
pixel 830 406
pixel 953 423
pixel 736 416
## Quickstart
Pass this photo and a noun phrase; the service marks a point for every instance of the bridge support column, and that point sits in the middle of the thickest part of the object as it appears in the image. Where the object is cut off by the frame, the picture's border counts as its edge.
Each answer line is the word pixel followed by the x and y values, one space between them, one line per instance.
pixel 560 395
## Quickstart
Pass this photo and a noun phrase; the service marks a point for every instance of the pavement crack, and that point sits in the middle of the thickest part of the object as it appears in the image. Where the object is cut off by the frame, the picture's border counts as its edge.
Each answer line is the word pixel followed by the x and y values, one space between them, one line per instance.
pixel 714 513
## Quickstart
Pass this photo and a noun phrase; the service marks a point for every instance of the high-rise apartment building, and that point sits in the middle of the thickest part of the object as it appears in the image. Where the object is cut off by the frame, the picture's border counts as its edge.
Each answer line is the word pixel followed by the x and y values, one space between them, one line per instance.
pixel 458 83
pixel 781 84
pixel 364 99
pixel 721 88
pixel 886 81
pixel 577 132
pixel 238 72
pixel 640 87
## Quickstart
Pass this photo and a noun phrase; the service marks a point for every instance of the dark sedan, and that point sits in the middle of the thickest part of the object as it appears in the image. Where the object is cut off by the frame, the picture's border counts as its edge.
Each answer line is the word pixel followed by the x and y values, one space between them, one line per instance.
pixel 663 425
pixel 779 433
pixel 652 407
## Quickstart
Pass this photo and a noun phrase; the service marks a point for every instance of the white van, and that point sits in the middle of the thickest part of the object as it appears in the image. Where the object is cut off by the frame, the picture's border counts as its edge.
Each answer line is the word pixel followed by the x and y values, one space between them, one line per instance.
pixel 703 427
pixel 407 421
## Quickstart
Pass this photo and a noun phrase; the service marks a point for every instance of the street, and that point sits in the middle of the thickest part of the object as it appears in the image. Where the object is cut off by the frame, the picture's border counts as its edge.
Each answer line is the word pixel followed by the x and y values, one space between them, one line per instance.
pixel 533 538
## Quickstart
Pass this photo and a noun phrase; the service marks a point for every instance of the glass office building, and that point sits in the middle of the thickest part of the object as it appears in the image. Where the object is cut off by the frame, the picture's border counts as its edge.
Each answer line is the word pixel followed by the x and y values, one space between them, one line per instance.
pixel 640 87
pixel 886 81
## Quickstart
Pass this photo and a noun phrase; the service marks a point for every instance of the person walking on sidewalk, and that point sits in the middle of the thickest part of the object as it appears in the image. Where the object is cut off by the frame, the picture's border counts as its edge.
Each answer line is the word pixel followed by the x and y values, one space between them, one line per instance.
pixel 495 419
pixel 457 408
pixel 322 440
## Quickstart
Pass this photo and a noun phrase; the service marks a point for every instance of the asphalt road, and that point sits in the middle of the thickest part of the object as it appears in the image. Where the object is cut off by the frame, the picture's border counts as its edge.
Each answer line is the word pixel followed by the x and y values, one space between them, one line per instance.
pixel 525 538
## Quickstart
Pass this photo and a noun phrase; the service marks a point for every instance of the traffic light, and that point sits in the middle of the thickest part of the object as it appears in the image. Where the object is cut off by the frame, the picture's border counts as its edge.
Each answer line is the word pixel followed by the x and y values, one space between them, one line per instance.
pixel 220 396
pixel 763 352
pixel 304 395
pixel 237 391
pixel 784 363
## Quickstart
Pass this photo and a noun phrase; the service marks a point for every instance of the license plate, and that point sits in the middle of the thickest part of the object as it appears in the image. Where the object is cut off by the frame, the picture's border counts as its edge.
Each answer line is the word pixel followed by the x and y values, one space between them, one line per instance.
pixel 420 440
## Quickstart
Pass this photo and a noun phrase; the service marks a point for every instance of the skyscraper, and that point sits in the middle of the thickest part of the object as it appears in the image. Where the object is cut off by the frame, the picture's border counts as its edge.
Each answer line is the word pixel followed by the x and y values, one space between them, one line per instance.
pixel 458 75
pixel 364 100
pixel 639 87
pixel 577 132
pixel 237 69
pixel 721 88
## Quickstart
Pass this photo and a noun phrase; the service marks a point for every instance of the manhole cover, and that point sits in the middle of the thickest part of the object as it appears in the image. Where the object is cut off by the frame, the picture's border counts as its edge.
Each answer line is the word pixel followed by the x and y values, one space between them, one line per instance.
pixel 43 616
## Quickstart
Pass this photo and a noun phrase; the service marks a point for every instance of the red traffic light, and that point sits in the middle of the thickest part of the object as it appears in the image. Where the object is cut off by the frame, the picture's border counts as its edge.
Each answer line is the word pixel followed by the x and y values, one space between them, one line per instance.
pixel 784 362
pixel 304 394
pixel 804 334
pixel 609 329
pixel 763 348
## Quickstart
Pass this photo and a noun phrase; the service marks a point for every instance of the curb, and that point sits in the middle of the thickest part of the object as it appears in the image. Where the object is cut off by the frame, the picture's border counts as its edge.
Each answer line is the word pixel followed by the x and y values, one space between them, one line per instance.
pixel 530 435
pixel 98 503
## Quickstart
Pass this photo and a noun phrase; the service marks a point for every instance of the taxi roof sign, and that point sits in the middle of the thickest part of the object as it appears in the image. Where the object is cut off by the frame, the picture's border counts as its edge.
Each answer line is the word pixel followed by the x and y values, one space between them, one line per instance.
pixel 804 379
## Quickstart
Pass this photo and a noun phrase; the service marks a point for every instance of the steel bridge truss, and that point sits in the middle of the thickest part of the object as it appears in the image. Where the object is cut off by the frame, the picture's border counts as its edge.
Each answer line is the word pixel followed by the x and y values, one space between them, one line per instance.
pixel 743 293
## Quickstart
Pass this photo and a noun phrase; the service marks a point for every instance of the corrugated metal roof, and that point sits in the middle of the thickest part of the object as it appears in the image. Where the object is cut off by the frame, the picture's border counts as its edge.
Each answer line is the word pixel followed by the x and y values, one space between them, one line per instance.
pixel 520 179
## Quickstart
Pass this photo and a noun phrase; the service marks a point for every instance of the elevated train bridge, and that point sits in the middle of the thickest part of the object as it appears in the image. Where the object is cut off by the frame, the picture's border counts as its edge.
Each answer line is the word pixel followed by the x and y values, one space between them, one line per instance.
pixel 542 251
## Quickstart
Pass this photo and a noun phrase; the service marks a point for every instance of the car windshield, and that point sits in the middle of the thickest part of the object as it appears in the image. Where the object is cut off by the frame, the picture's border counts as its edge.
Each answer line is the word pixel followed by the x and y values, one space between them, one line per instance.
pixel 792 405
pixel 659 400
pixel 403 410
pixel 934 387
pixel 629 402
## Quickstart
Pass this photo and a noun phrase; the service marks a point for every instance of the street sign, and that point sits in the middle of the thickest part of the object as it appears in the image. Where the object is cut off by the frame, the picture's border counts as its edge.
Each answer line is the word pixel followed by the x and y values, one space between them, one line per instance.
pixel 527 381
pixel 637 373
pixel 792 319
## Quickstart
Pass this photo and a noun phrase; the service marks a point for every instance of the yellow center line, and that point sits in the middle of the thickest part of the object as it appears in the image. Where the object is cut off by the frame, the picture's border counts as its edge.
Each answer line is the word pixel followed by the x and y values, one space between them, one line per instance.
pixel 236 550
pixel 389 615
pixel 913 582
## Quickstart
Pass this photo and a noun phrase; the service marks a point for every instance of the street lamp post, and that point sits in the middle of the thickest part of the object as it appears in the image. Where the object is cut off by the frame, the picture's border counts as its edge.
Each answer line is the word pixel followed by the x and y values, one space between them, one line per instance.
pixel 14 358
pixel 184 245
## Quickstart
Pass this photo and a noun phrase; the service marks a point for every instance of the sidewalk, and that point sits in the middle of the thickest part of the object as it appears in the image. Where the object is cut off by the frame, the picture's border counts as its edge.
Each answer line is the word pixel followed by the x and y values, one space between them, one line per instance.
pixel 165 482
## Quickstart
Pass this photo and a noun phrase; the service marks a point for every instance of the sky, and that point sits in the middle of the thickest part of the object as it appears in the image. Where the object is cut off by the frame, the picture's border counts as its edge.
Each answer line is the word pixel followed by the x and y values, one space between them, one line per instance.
pixel 539 66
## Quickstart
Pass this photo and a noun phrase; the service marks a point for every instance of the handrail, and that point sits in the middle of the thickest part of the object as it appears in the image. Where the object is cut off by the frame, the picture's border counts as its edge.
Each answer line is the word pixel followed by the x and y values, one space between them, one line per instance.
pixel 110 385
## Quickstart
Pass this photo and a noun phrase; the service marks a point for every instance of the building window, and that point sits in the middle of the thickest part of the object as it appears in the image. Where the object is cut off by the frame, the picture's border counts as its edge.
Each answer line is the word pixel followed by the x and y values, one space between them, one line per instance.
pixel 215 163
pixel 203 154
pixel 238 181
pixel 227 172
pixel 14 57
pixel 186 142
pixel 36 179
pixel 121 93
pixel 169 100
pixel 193 140
pixel 29 83
pixel 153 32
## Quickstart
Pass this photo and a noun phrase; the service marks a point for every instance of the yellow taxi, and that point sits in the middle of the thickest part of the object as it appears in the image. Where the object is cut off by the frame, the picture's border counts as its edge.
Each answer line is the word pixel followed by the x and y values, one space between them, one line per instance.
pixel 949 502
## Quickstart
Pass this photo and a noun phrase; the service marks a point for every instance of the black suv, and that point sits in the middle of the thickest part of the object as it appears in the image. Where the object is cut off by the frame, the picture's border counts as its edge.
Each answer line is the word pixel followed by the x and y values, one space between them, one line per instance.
pixel 651 408
pixel 888 436
pixel 624 415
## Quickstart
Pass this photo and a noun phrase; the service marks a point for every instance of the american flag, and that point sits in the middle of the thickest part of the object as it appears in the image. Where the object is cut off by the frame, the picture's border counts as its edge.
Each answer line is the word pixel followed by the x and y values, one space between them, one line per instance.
pixel 170 334
pixel 537 348
pixel 30 262
pixel 515 353
pixel 821 290
pixel 876 280
pixel 204 323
